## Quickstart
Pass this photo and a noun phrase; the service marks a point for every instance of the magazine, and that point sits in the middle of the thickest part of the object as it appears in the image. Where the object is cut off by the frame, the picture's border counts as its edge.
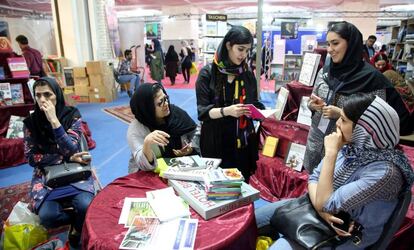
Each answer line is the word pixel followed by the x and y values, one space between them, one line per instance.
pixel 295 157
pixel 149 233
pixel 135 207
pixel 15 129
pixel 17 93
pixel 305 114
pixel 194 193
pixel 5 94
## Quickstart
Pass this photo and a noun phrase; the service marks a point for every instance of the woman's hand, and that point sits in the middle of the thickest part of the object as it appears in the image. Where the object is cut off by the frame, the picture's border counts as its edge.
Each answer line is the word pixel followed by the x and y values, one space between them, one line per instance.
pixel 316 103
pixel 77 157
pixel 331 112
pixel 237 110
pixel 186 150
pixel 333 143
pixel 330 219
pixel 50 111
pixel 157 137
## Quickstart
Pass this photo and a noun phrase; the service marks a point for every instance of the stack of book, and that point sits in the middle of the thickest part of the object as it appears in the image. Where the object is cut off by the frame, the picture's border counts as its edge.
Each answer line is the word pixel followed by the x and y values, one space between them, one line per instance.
pixel 223 184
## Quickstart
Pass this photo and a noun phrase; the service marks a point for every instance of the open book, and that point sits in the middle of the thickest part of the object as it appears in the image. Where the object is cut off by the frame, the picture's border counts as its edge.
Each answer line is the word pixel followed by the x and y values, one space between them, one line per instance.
pixel 259 114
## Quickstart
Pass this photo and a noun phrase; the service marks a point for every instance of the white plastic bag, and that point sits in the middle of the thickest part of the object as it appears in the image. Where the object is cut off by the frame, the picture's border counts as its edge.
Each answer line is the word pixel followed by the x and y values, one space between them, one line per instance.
pixel 21 214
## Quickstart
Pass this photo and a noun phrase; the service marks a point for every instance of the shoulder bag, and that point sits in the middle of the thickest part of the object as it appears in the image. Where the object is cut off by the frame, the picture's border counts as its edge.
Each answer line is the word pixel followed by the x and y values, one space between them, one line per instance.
pixel 67 172
pixel 297 220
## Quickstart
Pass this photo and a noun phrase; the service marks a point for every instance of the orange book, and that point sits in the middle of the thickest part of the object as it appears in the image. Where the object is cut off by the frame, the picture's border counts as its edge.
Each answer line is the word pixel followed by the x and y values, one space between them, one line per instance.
pixel 269 148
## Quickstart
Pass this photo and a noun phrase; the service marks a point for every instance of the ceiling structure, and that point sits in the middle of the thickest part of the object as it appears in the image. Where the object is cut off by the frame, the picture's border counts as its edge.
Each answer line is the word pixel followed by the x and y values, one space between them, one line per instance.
pixel 222 6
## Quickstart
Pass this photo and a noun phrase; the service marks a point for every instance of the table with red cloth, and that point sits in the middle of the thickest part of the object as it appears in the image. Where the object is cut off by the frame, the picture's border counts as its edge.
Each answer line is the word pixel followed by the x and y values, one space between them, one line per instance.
pixel 296 91
pixel 233 230
pixel 276 181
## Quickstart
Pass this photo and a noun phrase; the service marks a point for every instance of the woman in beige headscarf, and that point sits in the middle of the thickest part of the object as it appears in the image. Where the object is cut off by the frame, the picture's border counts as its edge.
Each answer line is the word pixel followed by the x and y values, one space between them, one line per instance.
pixel 402 87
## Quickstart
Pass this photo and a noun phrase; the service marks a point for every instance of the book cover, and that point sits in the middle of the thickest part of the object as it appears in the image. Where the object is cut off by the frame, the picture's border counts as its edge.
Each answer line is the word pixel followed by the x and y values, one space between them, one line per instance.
pixel 309 67
pixel 295 157
pixel 18 67
pixel 141 234
pixel 195 195
pixel 282 98
pixel 223 175
pixel 269 148
pixel 191 175
pixel 259 114
pixel 135 207
pixel 17 93
pixel 15 129
pixel 2 73
pixel 5 93
pixel 305 114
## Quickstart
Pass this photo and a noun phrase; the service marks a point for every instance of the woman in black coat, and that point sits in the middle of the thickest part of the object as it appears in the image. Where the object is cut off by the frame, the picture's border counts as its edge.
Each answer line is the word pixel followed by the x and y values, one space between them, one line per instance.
pixel 171 64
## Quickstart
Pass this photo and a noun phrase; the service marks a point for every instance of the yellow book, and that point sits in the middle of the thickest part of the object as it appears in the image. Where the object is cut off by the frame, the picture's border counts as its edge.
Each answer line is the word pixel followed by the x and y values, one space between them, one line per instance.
pixel 269 148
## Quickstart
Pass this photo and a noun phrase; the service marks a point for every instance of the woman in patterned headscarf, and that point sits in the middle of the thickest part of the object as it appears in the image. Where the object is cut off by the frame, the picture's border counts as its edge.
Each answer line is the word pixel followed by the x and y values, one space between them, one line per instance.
pixel 222 89
pixel 362 173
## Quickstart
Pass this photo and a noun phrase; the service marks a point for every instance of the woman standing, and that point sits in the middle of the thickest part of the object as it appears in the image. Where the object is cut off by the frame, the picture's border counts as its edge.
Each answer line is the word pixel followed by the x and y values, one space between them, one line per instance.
pixel 52 136
pixel 157 61
pixel 171 64
pixel 346 74
pixel 222 89
pixel 160 129
pixel 186 62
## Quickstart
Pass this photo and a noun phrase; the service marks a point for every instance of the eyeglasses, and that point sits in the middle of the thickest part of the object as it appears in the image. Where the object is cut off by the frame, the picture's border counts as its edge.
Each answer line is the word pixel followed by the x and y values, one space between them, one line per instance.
pixel 163 101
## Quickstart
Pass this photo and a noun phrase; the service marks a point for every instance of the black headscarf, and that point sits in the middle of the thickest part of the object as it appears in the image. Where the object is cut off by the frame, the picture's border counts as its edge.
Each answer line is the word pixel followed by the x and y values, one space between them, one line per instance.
pixel 37 123
pixel 353 75
pixel 356 75
pixel 177 123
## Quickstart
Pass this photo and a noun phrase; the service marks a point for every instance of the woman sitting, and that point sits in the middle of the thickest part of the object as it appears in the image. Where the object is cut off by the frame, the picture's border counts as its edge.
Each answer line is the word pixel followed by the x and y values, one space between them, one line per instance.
pixel 361 174
pixel 159 129
pixel 53 136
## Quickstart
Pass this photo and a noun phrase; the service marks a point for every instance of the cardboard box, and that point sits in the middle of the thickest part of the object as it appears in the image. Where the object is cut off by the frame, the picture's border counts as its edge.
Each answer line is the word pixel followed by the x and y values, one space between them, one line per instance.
pixel 70 99
pixel 81 90
pixel 100 94
pixel 79 72
pixel 83 99
pixel 96 80
pixel 84 81
pixel 96 67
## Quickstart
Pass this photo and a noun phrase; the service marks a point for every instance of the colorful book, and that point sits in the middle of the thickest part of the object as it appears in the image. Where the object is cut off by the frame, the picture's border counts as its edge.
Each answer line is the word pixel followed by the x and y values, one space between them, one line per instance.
pixel 295 157
pixel 269 148
pixel 15 129
pixel 5 94
pixel 18 67
pixel 223 175
pixel 17 93
pixel 135 207
pixel 195 195
pixel 259 114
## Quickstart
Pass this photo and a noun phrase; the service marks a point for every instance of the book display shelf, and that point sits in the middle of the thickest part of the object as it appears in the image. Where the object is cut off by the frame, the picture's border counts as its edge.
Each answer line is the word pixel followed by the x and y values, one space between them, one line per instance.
pixel 401 48
pixel 54 67
pixel 212 34
pixel 287 71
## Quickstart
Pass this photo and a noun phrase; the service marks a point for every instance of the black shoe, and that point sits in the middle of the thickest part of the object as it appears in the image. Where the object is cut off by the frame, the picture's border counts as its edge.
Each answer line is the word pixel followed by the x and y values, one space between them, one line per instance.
pixel 129 93
pixel 74 237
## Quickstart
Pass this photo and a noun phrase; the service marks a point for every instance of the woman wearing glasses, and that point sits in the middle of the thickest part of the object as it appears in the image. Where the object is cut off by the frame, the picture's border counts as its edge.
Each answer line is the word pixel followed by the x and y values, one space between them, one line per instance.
pixel 160 129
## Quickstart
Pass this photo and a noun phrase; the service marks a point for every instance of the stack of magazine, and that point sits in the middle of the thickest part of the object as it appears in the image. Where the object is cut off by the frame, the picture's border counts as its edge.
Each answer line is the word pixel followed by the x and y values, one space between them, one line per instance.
pixel 223 184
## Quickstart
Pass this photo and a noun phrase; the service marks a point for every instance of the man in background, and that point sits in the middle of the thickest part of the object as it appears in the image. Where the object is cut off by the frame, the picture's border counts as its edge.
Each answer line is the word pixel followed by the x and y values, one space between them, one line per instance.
pixel 369 47
pixel 125 74
pixel 32 56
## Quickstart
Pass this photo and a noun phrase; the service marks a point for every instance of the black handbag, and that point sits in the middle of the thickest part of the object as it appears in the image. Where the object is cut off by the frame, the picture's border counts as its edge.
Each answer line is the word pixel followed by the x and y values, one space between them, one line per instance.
pixel 66 173
pixel 297 220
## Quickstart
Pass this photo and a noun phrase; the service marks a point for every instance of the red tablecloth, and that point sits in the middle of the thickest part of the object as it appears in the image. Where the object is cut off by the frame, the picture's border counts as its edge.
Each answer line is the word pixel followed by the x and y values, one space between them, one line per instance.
pixel 296 91
pixel 233 230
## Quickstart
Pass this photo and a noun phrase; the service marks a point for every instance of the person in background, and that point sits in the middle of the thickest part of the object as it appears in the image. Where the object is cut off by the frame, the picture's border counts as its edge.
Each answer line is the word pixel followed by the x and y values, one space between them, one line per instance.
pixel 186 61
pixel 157 61
pixel 171 64
pixel 369 50
pixel 148 51
pixel 400 84
pixel 267 57
pixel 160 129
pixel 125 74
pixel 380 61
pixel 346 74
pixel 362 173
pixel 52 135
pixel 223 88
pixel 32 56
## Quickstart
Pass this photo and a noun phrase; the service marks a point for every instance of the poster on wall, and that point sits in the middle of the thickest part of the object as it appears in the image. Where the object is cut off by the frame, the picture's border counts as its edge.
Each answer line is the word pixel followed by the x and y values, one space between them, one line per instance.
pixel 289 30
pixel 152 30
pixel 112 24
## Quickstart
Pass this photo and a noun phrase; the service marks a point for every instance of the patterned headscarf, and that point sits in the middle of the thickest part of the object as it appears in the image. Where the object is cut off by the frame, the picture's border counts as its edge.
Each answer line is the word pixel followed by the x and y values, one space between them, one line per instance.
pixel 222 60
pixel 374 139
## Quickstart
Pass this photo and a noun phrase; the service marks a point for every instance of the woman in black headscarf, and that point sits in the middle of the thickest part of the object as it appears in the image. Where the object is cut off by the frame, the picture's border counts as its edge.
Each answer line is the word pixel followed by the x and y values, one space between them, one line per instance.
pixel 160 129
pixel 53 136
pixel 346 74
pixel 222 89
pixel 171 64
